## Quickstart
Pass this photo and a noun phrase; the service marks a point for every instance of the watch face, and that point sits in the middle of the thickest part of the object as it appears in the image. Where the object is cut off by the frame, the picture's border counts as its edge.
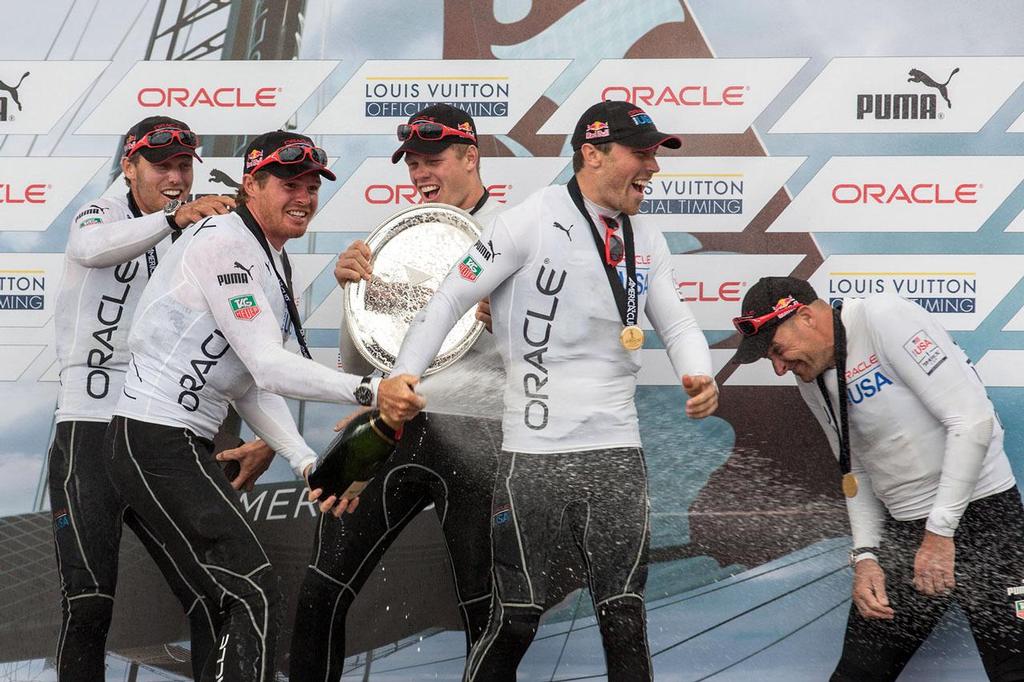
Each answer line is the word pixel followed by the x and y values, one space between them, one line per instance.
pixel 364 395
pixel 172 206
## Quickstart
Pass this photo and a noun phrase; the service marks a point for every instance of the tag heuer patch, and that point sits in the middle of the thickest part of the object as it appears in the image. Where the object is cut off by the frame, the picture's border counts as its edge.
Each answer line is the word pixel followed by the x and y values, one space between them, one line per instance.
pixel 244 307
pixel 1018 606
pixel 469 269
pixel 926 353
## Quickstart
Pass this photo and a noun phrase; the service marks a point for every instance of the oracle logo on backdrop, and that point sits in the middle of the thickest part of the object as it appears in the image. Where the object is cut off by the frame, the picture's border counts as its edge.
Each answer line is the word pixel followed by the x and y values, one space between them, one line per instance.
pixel 188 98
pixel 677 95
pixel 213 97
pixel 682 95
pixel 903 194
pixel 711 291
pixel 34 190
pixel 908 194
pixel 23 193
pixel 407 195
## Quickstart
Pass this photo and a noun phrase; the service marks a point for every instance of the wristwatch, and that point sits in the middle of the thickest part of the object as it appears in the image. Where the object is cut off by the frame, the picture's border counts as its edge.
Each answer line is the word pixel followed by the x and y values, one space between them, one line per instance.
pixel 170 209
pixel 364 393
pixel 861 553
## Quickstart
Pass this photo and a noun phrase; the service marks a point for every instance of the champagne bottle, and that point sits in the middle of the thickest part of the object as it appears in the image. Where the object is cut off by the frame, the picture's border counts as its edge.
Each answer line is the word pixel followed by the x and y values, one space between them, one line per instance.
pixel 354 456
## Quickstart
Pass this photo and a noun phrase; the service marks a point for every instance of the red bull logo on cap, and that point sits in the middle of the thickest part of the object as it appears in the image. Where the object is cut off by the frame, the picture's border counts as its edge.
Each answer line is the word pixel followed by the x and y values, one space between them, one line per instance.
pixel 254 158
pixel 597 129
pixel 466 127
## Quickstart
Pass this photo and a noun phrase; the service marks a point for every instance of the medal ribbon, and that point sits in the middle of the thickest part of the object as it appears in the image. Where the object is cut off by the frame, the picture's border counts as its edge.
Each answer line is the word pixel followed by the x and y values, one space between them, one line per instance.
pixel 480 204
pixel 839 334
pixel 151 253
pixel 286 282
pixel 625 296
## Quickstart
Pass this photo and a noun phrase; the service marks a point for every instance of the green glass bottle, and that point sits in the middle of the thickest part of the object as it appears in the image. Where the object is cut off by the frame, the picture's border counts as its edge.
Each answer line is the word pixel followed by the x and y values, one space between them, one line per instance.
pixel 352 459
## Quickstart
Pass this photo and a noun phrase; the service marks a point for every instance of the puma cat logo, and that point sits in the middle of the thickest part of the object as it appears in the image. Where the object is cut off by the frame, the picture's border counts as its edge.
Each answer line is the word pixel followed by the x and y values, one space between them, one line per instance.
pixel 223 178
pixel 564 229
pixel 919 76
pixel 13 90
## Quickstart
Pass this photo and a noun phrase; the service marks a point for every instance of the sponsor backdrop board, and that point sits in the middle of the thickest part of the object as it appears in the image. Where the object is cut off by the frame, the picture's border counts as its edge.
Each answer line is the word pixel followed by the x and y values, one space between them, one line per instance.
pixel 870 147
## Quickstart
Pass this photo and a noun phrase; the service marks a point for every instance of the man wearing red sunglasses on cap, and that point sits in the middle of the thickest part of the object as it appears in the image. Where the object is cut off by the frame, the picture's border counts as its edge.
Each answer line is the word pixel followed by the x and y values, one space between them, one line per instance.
pixel 211 333
pixel 113 247
pixel 565 306
pixel 933 504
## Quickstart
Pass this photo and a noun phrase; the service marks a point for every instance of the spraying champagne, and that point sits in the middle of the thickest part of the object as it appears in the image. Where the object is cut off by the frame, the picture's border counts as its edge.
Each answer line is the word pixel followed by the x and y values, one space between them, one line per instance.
pixel 352 459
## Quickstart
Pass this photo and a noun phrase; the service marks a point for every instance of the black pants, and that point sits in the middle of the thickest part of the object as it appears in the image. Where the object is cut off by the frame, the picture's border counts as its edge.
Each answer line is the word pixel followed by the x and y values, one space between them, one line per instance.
pixel 169 478
pixel 87 521
pixel 447 460
pixel 595 502
pixel 989 565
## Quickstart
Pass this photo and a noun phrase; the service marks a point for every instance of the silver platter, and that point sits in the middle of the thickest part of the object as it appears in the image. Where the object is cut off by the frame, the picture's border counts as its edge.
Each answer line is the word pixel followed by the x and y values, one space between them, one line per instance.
pixel 412 252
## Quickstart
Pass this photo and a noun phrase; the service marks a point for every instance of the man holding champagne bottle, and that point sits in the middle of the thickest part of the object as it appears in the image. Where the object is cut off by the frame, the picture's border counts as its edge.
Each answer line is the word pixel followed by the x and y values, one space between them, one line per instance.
pixel 444 459
pixel 210 331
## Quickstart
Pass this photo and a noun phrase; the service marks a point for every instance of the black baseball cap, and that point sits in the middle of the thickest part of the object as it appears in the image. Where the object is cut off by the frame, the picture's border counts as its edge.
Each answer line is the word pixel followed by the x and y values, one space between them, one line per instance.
pixel 446 115
pixel 760 300
pixel 158 154
pixel 622 122
pixel 262 146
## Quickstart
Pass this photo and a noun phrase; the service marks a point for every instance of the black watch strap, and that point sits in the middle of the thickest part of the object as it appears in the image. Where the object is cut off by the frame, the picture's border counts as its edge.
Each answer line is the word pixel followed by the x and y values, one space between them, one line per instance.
pixel 364 392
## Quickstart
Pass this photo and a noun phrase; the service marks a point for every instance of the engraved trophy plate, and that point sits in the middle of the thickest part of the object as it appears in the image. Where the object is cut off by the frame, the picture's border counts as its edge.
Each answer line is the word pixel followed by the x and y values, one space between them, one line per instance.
pixel 412 252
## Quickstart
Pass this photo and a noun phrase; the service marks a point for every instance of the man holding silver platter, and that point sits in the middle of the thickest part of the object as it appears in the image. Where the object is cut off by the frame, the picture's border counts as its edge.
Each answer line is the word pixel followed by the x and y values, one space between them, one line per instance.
pixel 565 302
pixel 446 459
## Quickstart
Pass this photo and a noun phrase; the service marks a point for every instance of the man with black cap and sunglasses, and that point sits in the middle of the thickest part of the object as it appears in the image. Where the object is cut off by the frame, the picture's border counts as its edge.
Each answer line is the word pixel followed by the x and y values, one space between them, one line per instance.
pixel 933 504
pixel 113 247
pixel 447 460
pixel 565 303
pixel 210 331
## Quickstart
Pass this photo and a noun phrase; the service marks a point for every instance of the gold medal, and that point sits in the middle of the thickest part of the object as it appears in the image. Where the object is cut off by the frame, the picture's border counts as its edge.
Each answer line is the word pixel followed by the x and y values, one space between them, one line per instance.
pixel 632 337
pixel 849 485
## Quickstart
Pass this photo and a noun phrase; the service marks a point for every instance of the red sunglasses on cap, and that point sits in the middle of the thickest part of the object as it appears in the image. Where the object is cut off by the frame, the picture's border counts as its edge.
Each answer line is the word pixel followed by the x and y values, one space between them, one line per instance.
pixel 163 137
pixel 748 325
pixel 430 130
pixel 293 153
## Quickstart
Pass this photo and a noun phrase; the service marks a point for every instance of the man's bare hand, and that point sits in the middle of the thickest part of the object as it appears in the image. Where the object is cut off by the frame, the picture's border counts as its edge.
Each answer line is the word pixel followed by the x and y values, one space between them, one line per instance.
pixel 869 590
pixel 344 421
pixel 933 565
pixel 253 459
pixel 483 313
pixel 194 211
pixel 331 504
pixel 703 394
pixel 353 263
pixel 397 400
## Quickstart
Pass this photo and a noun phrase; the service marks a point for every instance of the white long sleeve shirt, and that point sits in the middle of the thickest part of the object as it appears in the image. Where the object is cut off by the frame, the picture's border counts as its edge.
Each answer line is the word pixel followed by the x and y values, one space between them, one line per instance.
pixel 109 255
pixel 570 383
pixel 924 437
pixel 210 330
